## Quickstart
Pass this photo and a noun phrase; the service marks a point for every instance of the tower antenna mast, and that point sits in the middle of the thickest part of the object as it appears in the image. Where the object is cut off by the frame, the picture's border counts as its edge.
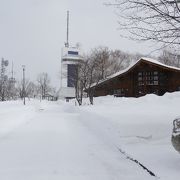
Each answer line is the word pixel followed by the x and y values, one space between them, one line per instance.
pixel 67 40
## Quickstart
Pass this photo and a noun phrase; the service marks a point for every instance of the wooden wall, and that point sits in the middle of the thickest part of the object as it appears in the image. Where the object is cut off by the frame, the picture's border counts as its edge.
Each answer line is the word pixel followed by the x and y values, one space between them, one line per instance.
pixel 127 84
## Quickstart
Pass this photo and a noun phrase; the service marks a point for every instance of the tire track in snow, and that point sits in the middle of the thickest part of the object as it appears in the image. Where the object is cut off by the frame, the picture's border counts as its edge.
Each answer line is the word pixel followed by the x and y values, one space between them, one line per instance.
pixel 137 162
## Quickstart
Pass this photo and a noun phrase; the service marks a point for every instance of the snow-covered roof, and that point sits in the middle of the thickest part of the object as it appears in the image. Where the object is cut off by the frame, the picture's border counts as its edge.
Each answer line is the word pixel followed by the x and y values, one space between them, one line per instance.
pixel 149 60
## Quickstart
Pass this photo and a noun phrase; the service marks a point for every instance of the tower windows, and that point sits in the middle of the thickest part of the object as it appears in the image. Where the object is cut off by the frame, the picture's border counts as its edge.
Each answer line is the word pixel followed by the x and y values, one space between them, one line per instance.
pixel 73 53
pixel 72 75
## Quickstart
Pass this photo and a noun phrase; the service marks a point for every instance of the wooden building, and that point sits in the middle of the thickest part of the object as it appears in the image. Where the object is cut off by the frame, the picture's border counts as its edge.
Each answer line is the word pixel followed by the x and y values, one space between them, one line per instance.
pixel 146 76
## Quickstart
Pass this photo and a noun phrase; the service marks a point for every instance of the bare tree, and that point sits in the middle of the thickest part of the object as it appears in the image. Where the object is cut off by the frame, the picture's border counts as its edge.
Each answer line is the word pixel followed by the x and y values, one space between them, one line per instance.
pixel 100 56
pixel 91 70
pixel 19 87
pixel 10 89
pixel 157 20
pixel 43 82
pixel 119 60
pixel 85 77
pixel 94 69
pixel 79 82
pixel 170 57
pixel 30 89
pixel 94 75
pixel 3 80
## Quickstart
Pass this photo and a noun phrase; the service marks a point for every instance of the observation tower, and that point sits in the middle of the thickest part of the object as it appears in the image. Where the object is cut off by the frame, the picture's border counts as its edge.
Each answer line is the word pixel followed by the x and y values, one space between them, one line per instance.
pixel 70 58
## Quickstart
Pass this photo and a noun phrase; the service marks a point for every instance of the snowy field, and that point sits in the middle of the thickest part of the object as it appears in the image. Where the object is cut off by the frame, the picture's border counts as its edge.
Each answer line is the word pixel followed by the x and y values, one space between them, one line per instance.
pixel 115 139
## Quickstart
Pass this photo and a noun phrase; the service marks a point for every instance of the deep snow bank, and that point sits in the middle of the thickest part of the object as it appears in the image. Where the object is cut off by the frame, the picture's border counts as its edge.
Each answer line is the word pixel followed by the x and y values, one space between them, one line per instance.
pixel 147 116
pixel 140 126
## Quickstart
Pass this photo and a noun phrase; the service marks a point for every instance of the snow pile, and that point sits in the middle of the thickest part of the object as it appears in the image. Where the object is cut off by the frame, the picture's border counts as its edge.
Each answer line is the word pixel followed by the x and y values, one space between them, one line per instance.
pixel 142 127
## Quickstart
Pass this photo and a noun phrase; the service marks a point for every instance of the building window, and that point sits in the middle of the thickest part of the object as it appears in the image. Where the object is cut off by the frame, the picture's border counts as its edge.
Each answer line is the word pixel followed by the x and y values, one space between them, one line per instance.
pixel 148 78
pixel 152 78
pixel 140 83
pixel 140 73
pixel 119 92
pixel 155 72
pixel 140 78
pixel 72 75
pixel 156 78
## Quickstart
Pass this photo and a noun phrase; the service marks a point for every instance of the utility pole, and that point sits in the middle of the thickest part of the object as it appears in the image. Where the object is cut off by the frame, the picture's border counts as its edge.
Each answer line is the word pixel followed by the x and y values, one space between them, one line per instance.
pixel 24 100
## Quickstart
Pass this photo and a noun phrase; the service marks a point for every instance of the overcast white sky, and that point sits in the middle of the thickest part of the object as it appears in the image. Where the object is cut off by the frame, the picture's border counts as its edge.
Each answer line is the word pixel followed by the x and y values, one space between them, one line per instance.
pixel 32 32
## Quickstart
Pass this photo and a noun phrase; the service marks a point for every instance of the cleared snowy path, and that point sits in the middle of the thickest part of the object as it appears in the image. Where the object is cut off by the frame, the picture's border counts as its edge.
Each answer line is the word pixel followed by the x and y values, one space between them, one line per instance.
pixel 54 144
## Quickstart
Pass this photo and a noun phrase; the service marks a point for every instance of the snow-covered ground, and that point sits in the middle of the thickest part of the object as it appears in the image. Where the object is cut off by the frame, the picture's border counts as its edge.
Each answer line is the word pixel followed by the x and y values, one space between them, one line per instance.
pixel 57 140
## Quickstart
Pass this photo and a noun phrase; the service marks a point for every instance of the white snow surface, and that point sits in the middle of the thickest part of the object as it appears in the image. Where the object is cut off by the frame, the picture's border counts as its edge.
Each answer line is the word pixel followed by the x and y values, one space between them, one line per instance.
pixel 58 140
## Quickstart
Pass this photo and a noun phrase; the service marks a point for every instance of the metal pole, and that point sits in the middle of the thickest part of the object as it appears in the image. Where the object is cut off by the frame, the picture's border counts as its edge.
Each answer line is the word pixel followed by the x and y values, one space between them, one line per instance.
pixel 68 28
pixel 67 40
pixel 24 100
